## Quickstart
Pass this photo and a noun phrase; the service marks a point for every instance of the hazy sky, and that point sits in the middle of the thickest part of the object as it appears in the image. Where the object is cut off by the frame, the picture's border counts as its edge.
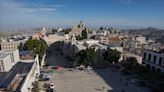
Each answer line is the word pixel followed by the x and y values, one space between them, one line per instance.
pixel 59 13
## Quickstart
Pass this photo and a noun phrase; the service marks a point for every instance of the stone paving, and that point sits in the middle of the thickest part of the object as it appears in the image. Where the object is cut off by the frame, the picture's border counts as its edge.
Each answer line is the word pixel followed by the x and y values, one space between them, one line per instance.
pixel 90 81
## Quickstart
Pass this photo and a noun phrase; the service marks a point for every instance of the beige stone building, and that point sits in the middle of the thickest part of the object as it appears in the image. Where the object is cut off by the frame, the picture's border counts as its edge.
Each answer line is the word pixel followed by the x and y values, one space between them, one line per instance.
pixel 50 39
pixel 76 30
pixel 9 45
pixel 39 35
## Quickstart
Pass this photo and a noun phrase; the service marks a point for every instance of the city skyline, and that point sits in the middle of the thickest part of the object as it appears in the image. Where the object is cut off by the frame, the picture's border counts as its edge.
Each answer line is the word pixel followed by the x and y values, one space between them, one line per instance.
pixel 62 13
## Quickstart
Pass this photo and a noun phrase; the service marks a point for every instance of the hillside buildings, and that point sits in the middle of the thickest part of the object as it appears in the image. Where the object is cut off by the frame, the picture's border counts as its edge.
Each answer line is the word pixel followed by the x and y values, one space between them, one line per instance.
pixel 109 36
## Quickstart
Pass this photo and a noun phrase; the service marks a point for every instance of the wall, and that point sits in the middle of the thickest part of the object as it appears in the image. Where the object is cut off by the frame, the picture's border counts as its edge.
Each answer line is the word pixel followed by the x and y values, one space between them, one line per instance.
pixel 7 63
pixel 31 77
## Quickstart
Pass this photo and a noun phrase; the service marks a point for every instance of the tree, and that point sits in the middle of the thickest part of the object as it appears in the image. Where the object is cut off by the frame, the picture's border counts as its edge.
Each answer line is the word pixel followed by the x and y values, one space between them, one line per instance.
pixel 78 37
pixel 91 55
pixel 21 46
pixel 131 63
pixel 35 87
pixel 37 47
pixel 86 57
pixel 33 45
pixel 112 56
pixel 66 31
pixel 84 34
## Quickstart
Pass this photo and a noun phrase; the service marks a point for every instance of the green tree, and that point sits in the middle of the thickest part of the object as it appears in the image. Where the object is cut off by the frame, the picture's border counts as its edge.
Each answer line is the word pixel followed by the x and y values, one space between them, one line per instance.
pixel 35 87
pixel 66 31
pixel 131 64
pixel 132 61
pixel 86 57
pixel 91 56
pixel 78 37
pixel 84 34
pixel 37 47
pixel 112 56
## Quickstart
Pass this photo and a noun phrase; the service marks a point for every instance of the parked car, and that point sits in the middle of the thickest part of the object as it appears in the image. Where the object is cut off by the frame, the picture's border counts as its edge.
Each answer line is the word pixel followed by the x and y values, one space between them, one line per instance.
pixel 89 68
pixel 43 78
pixel 52 86
pixel 51 90
pixel 56 67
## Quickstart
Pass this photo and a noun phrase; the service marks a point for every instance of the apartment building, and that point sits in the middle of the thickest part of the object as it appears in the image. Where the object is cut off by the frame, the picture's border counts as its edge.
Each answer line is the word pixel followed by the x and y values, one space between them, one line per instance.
pixel 5 62
pixel 14 55
pixel 153 59
pixel 9 45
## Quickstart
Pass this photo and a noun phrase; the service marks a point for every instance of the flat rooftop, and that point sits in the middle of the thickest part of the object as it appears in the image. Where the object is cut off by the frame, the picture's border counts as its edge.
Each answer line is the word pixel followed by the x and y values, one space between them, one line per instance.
pixel 7 79
pixel 3 55
pixel 26 55
pixel 11 50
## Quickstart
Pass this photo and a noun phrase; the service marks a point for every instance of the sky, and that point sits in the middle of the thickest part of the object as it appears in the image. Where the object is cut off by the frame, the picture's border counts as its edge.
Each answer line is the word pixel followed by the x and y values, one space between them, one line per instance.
pixel 65 13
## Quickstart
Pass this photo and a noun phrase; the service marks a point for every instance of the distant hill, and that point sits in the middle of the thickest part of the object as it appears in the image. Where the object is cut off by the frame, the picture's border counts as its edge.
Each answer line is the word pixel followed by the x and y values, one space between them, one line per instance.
pixel 153 33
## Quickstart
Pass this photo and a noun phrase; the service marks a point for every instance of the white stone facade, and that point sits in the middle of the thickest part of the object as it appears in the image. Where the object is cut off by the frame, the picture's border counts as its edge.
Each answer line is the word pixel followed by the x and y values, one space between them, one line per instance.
pixel 154 60
pixel 5 62
pixel 14 55
pixel 32 75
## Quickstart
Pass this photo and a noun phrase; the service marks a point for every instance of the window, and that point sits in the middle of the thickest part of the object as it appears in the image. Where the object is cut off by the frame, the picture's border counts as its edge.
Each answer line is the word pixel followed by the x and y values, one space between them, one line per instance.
pixel 154 60
pixel 160 61
pixel 149 58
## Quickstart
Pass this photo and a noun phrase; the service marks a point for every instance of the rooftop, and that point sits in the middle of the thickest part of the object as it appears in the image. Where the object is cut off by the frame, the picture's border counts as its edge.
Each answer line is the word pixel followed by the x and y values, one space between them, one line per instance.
pixel 18 72
pixel 3 55
pixel 26 55
pixel 9 50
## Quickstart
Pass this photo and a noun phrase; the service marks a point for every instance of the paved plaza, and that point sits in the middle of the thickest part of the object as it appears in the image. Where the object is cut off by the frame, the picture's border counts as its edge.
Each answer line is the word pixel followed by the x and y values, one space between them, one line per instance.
pixel 99 80
pixel 90 81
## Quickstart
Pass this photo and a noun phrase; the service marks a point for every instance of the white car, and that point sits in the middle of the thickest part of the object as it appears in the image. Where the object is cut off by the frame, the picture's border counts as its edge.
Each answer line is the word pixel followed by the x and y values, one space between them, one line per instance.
pixel 89 68
pixel 52 86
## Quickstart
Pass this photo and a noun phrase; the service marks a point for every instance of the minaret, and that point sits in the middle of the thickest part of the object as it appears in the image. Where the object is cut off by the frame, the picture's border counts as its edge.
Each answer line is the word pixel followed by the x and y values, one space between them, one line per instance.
pixel 73 40
pixel 81 25
pixel 43 31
